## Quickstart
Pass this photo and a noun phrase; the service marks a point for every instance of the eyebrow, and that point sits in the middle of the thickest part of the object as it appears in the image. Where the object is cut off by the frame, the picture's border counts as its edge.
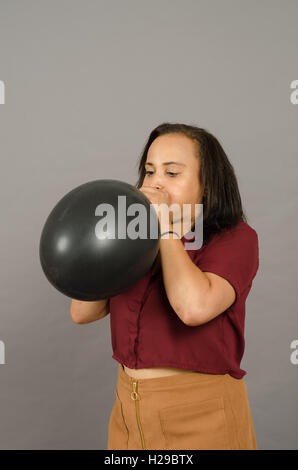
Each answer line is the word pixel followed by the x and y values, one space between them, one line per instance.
pixel 167 163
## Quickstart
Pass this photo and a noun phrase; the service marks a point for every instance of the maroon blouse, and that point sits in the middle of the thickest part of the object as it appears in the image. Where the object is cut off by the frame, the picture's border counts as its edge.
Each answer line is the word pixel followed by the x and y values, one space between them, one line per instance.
pixel 147 332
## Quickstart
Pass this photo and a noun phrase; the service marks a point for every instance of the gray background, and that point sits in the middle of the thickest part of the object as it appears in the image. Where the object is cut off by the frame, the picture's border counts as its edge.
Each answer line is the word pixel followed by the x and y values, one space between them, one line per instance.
pixel 86 82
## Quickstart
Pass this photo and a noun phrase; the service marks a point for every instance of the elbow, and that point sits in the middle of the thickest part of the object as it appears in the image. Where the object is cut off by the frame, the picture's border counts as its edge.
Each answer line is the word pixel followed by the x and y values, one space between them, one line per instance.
pixel 189 319
pixel 194 321
pixel 76 318
pixel 193 318
pixel 73 311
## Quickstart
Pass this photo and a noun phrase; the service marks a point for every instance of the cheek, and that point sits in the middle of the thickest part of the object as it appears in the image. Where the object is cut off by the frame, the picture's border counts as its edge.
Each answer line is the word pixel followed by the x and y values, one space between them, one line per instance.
pixel 176 194
pixel 180 193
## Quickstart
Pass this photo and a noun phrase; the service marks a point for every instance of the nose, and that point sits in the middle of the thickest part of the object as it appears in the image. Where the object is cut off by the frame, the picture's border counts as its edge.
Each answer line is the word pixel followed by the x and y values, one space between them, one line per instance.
pixel 155 182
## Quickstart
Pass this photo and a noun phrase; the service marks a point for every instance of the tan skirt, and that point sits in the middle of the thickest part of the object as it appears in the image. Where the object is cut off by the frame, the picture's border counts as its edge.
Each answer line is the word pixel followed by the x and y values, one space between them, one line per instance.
pixel 192 410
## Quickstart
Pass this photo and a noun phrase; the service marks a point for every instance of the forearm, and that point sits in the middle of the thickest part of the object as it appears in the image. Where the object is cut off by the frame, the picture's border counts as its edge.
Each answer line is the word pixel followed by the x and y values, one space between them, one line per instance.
pixel 86 312
pixel 185 284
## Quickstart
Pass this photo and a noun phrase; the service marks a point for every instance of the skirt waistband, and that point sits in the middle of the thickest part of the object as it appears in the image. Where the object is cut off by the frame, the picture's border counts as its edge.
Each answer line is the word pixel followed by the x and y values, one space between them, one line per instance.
pixel 169 381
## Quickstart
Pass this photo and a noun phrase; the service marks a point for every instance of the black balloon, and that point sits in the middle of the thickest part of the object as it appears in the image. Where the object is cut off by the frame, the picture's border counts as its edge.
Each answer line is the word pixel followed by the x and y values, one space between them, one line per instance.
pixel 80 264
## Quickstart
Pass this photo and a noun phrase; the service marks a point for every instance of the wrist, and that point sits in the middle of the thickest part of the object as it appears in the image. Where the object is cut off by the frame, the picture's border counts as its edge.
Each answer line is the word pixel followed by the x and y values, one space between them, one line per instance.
pixel 169 234
pixel 166 227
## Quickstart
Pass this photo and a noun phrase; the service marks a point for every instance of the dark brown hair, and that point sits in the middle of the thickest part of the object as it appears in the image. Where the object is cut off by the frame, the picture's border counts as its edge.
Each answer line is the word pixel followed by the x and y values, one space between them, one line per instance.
pixel 221 199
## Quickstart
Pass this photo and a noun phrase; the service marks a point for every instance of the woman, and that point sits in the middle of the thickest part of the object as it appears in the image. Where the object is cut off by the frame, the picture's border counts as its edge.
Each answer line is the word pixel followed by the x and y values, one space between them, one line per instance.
pixel 178 333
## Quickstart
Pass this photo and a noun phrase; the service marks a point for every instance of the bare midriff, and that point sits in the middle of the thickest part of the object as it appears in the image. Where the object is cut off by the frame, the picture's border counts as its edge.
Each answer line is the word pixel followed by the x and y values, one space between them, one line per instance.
pixel 153 372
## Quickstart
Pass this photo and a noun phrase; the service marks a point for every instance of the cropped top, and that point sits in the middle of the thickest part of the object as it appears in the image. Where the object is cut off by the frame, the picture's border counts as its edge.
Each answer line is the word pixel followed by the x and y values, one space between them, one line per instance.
pixel 147 332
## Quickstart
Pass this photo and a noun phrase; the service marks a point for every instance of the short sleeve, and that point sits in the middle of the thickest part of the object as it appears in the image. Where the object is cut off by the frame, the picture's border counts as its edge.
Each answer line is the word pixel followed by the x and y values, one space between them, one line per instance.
pixel 233 255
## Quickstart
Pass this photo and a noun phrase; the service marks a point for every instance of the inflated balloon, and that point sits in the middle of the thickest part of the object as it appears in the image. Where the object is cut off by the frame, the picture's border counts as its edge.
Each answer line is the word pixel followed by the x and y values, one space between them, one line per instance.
pixel 85 251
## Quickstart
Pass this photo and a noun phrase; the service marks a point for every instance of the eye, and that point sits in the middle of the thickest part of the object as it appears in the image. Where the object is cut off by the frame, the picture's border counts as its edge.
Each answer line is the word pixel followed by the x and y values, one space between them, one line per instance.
pixel 169 173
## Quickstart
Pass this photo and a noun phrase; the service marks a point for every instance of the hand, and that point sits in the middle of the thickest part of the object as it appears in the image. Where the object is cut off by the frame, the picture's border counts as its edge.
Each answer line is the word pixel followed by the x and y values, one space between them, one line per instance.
pixel 157 197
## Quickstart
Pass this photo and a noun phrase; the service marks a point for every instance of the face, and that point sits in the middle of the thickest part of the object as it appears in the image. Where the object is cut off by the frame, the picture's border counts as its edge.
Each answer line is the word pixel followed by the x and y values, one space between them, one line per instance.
pixel 172 165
